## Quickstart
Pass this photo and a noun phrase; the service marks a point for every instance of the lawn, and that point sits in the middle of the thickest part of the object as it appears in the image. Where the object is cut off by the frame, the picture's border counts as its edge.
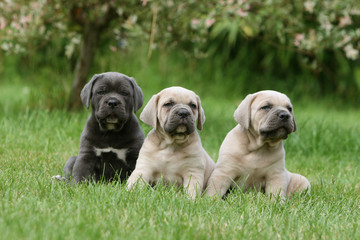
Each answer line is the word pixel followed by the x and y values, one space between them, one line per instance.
pixel 35 144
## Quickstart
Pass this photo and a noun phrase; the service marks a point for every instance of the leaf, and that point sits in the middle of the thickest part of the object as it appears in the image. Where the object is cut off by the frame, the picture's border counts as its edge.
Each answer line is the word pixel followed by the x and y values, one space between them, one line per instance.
pixel 248 30
pixel 233 33
pixel 227 30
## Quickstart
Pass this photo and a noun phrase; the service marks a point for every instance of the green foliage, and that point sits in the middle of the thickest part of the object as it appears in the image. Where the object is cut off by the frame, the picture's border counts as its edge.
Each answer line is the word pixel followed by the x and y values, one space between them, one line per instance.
pixel 306 44
pixel 313 45
pixel 255 67
pixel 308 27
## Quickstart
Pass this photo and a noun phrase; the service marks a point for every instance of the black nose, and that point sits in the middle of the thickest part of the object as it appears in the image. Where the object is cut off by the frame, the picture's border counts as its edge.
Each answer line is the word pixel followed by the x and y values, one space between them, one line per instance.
pixel 183 113
pixel 284 116
pixel 113 103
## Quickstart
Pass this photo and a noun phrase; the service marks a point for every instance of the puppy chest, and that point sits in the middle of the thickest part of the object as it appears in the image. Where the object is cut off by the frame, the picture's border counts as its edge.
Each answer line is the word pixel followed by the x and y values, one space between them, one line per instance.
pixel 257 170
pixel 262 160
pixel 172 166
pixel 111 154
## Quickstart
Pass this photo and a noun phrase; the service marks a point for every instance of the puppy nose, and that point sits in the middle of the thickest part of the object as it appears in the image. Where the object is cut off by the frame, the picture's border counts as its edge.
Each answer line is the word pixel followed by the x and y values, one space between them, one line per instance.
pixel 113 103
pixel 183 113
pixel 284 116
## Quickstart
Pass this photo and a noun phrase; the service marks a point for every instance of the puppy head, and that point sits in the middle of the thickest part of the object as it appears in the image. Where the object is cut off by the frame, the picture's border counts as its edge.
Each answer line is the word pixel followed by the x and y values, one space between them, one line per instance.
pixel 268 113
pixel 175 110
pixel 113 96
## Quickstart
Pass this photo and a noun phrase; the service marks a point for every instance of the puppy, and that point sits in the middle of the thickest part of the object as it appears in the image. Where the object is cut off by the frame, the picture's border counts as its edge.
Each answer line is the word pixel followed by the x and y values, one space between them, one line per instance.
pixel 252 154
pixel 112 137
pixel 172 151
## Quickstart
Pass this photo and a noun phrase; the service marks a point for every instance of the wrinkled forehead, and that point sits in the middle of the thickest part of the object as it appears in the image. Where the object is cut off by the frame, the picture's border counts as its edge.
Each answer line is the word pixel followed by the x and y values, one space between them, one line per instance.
pixel 177 95
pixel 113 82
pixel 271 98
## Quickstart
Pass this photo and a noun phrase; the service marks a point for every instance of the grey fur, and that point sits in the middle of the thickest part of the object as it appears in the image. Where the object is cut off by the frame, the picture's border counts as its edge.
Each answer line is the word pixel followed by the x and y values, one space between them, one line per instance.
pixel 112 137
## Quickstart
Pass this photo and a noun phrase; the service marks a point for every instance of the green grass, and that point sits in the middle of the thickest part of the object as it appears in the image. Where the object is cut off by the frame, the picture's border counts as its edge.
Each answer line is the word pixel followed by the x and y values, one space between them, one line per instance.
pixel 35 144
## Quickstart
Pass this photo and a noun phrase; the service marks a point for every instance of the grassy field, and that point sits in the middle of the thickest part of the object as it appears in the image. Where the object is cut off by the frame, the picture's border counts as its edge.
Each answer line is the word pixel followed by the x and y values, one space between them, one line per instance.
pixel 35 144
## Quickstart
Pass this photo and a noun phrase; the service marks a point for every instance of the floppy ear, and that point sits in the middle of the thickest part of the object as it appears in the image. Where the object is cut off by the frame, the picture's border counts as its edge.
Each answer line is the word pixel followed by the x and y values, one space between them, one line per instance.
pixel 86 92
pixel 294 125
pixel 242 114
pixel 294 121
pixel 201 115
pixel 138 95
pixel 149 113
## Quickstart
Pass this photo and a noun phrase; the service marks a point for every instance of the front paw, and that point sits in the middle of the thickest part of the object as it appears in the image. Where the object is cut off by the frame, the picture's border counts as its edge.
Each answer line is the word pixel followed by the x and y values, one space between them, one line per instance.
pixel 58 178
pixel 135 182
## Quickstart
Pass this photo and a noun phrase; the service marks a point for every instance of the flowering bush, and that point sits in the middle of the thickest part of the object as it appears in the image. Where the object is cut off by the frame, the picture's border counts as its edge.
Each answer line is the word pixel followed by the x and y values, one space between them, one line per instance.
pixel 310 28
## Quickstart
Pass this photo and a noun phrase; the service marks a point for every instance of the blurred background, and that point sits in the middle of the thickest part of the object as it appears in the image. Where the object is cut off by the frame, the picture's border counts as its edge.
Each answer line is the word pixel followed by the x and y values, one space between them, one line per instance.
pixel 221 49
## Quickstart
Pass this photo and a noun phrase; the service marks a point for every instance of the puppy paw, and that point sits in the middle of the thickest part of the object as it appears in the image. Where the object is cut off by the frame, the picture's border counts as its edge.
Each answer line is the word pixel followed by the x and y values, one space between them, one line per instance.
pixel 58 178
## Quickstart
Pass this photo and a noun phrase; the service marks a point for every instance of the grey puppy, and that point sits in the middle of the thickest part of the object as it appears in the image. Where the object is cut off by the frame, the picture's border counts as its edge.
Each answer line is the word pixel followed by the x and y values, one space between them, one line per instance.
pixel 112 137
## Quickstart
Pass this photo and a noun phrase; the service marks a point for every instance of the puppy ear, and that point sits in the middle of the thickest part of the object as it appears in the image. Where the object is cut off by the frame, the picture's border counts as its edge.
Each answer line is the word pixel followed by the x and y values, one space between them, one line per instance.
pixel 242 114
pixel 86 92
pixel 294 123
pixel 149 113
pixel 201 115
pixel 138 95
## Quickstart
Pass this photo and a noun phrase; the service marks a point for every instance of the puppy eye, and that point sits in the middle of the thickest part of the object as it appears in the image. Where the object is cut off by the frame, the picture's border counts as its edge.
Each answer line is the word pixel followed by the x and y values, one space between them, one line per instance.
pixel 101 92
pixel 193 106
pixel 290 109
pixel 123 93
pixel 169 104
pixel 267 107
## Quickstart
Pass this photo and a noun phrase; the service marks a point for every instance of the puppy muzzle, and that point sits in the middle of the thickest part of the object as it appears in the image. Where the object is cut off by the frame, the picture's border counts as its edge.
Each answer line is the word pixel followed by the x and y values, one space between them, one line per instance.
pixel 278 125
pixel 180 121
pixel 111 114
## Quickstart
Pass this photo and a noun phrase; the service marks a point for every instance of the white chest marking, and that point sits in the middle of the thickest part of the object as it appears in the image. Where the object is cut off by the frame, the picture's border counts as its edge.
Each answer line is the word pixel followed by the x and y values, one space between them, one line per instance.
pixel 120 153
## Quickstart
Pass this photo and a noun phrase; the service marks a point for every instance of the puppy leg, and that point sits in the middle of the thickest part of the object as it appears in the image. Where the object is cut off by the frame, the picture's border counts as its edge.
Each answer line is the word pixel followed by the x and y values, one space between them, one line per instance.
pixel 67 171
pixel 193 184
pixel 219 182
pixel 277 185
pixel 83 168
pixel 138 177
pixel 298 183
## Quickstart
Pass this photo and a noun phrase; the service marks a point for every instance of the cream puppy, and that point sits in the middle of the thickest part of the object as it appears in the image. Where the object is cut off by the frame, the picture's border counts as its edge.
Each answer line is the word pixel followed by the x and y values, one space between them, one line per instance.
pixel 172 151
pixel 252 154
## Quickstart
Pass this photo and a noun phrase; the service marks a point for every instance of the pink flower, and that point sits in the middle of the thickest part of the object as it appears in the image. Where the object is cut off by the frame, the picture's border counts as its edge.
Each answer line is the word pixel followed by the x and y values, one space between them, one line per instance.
pixel 210 22
pixel 350 52
pixel 299 37
pixel 112 48
pixel 309 6
pixel 2 23
pixel 144 2
pixel 344 21
pixel 195 22
pixel 345 40
pixel 328 27
pixel 25 19
pixel 242 13
pixel 16 25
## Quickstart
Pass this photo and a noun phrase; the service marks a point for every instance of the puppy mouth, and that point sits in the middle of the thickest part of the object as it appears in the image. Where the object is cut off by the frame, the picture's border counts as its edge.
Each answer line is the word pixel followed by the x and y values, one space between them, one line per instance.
pixel 275 134
pixel 111 120
pixel 181 128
